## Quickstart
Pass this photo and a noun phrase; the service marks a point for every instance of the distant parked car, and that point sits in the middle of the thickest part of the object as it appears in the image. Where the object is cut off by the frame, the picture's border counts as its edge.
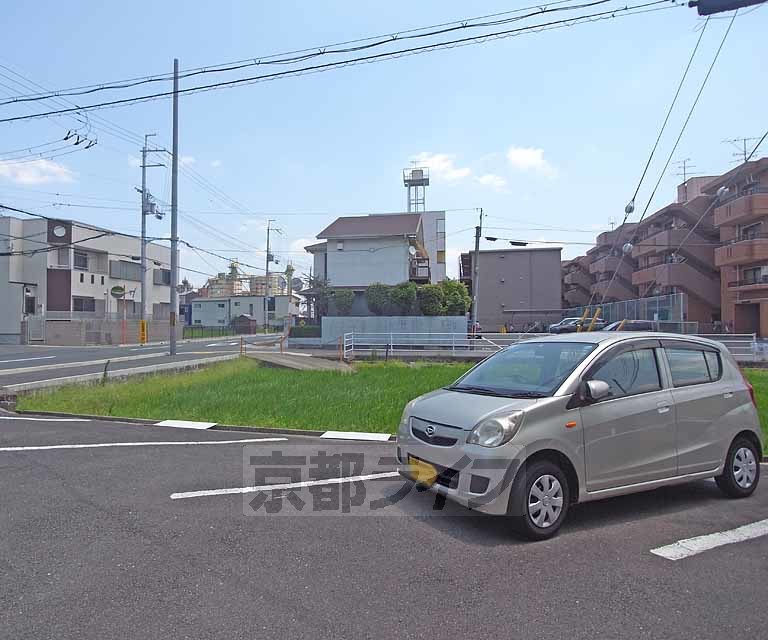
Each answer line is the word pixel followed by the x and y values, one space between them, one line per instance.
pixel 571 325
pixel 632 325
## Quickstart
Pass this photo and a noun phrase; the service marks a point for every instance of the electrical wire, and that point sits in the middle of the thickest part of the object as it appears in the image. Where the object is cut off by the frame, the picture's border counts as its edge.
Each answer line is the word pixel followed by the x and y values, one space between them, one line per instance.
pixel 605 15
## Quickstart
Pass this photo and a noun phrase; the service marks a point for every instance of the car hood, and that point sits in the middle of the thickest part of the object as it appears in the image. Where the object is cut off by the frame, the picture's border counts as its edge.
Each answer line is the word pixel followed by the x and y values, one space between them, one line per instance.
pixel 463 410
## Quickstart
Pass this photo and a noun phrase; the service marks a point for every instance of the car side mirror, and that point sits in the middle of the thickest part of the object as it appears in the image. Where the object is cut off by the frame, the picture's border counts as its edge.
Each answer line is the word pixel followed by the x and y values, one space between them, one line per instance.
pixel 595 390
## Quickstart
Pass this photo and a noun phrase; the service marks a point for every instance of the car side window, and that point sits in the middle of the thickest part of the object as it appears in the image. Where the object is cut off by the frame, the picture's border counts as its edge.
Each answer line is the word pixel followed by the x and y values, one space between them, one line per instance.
pixel 714 364
pixel 690 366
pixel 629 373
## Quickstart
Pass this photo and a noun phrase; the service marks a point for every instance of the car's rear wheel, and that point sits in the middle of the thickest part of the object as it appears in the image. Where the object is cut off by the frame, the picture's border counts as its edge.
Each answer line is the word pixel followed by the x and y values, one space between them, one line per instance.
pixel 539 500
pixel 741 474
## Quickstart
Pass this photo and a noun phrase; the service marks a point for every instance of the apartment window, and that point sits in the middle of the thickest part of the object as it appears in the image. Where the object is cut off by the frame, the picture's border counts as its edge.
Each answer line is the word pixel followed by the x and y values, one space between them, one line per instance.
pixel 220 305
pixel 237 304
pixel 93 279
pixel 83 304
pixel 441 257
pixel 162 276
pixel 197 305
pixel 198 322
pixel 750 231
pixel 222 321
pixel 102 279
pixel 62 257
pixel 81 260
pixel 340 245
pixel 122 270
pixel 751 275
pixel 82 277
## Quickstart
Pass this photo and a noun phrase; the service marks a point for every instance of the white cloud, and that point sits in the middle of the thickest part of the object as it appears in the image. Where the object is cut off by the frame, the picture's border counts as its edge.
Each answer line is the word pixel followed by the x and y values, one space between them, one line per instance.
pixel 134 162
pixel 216 163
pixel 185 161
pixel 492 180
pixel 300 243
pixel 442 166
pixel 452 256
pixel 530 159
pixel 35 172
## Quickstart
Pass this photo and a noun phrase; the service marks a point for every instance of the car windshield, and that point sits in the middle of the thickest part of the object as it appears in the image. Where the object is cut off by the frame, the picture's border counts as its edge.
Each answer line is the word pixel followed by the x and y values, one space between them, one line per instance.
pixel 525 370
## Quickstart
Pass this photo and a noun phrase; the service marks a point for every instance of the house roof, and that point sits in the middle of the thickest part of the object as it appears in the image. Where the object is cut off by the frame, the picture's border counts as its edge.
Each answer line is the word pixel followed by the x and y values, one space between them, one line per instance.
pixel 319 246
pixel 373 226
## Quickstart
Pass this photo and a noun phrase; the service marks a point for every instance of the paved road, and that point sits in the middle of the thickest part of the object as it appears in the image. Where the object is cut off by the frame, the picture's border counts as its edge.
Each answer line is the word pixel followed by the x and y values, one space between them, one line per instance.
pixel 23 363
pixel 94 545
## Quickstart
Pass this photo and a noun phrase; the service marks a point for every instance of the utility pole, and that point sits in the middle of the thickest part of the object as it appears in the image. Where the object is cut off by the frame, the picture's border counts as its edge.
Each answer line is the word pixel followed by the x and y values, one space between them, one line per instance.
pixel 175 210
pixel 146 210
pixel 266 279
pixel 476 268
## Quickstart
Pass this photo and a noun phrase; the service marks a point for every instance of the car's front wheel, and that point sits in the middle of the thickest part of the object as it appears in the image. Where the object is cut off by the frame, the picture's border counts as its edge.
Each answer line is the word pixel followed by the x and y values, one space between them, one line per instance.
pixel 539 500
pixel 742 469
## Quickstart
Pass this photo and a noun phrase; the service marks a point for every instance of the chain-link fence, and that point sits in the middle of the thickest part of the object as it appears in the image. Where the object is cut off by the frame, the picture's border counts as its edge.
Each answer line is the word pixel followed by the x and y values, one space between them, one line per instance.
pixel 668 311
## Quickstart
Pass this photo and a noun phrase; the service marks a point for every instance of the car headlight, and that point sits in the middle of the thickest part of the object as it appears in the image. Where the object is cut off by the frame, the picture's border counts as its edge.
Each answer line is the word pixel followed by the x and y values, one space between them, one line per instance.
pixel 496 431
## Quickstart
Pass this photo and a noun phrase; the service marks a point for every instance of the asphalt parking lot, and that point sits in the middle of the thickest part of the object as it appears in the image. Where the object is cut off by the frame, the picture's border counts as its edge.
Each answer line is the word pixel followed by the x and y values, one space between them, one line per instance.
pixel 165 536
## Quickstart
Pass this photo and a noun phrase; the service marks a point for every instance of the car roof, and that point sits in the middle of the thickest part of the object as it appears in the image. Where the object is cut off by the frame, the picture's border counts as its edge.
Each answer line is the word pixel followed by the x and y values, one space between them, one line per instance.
pixel 609 337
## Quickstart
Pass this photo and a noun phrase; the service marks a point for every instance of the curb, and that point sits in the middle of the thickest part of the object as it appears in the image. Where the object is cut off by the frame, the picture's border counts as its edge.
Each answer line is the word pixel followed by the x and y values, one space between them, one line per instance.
pixel 218 427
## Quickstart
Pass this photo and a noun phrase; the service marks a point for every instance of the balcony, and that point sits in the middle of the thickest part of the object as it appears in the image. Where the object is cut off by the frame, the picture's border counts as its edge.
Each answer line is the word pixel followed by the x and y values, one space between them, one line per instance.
pixel 576 296
pixel 669 239
pixel 609 264
pixel 682 276
pixel 749 284
pixel 620 289
pixel 745 251
pixel 578 277
pixel 418 269
pixel 751 205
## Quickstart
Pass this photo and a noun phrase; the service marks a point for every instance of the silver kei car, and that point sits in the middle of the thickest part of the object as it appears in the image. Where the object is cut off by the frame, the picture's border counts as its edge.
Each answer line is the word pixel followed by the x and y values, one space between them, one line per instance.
pixel 553 421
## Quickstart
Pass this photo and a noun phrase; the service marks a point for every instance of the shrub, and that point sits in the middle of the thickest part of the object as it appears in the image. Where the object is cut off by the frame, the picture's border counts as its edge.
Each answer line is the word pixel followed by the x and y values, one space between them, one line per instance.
pixel 431 300
pixel 378 298
pixel 343 299
pixel 308 331
pixel 403 297
pixel 457 300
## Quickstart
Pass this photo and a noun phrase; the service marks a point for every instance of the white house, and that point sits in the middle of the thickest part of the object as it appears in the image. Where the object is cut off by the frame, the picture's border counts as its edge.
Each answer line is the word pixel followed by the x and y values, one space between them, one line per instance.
pixel 219 312
pixel 64 270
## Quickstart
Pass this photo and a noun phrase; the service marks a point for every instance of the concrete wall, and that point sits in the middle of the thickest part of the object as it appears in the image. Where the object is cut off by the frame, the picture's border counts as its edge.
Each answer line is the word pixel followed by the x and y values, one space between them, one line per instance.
pixel 367 260
pixel 517 279
pixel 85 332
pixel 334 327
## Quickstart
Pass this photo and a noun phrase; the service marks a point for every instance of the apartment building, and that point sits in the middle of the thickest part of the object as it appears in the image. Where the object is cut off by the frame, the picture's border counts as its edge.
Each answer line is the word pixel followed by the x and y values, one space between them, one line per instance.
pixel 59 270
pixel 577 282
pixel 741 217
pixel 605 259
pixel 663 269
pixel 516 286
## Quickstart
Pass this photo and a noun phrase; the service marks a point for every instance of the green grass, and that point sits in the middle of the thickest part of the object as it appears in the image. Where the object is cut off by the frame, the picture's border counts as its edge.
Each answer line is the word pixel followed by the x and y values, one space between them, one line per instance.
pixel 758 378
pixel 207 332
pixel 243 393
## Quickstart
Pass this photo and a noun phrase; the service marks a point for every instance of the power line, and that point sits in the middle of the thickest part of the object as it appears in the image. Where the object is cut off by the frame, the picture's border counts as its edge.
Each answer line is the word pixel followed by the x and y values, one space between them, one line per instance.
pixel 300 55
pixel 595 17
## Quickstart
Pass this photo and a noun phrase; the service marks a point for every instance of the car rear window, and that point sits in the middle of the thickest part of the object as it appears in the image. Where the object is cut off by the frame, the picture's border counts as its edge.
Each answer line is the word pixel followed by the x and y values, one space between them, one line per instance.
pixel 692 366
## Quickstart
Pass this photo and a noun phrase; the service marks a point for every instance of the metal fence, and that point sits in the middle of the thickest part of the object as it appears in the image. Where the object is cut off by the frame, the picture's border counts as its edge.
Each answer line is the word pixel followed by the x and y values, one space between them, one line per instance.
pixel 669 310
pixel 744 347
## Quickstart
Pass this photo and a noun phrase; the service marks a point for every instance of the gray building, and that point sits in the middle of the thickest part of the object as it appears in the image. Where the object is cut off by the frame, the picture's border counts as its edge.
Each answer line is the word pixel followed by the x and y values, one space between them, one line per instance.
pixel 516 286
pixel 219 312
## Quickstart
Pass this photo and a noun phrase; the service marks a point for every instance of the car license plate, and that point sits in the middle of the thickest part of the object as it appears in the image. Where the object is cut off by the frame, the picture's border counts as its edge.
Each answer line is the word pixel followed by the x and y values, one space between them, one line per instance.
pixel 422 472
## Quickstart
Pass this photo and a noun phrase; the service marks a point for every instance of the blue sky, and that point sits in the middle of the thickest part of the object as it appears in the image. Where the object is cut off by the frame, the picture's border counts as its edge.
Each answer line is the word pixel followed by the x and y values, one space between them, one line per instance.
pixel 542 130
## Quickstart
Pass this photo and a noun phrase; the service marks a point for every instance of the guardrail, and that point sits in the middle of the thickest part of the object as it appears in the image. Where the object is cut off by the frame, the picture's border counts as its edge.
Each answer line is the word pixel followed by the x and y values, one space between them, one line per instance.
pixel 743 346
pixel 428 343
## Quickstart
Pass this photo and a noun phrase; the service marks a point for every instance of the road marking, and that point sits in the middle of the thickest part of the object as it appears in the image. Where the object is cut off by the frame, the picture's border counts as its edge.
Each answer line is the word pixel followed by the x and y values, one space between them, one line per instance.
pixel 356 435
pixel 692 546
pixel 103 445
pixel 74 365
pixel 147 348
pixel 275 487
pixel 27 359
pixel 45 419
pixel 185 424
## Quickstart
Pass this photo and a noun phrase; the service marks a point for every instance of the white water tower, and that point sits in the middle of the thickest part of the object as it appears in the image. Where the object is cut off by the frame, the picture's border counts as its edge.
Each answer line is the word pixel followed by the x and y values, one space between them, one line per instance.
pixel 416 180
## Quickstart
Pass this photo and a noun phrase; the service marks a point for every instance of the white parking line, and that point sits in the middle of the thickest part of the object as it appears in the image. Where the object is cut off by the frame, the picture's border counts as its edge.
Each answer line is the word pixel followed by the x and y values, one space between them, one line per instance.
pixel 185 424
pixel 356 435
pixel 103 445
pixel 274 487
pixel 692 546
pixel 28 359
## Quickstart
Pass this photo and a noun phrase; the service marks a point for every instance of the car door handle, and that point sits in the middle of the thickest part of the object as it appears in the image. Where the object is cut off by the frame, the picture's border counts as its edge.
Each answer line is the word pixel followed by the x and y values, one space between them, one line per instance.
pixel 728 394
pixel 662 408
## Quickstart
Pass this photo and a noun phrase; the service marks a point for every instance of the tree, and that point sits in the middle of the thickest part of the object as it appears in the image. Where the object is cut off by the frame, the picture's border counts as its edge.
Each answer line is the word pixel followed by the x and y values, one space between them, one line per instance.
pixel 403 297
pixel 322 296
pixel 342 300
pixel 431 300
pixel 457 300
pixel 378 298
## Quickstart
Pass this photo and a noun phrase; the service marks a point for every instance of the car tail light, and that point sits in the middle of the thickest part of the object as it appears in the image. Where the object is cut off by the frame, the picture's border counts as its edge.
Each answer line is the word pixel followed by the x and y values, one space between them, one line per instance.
pixel 750 387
